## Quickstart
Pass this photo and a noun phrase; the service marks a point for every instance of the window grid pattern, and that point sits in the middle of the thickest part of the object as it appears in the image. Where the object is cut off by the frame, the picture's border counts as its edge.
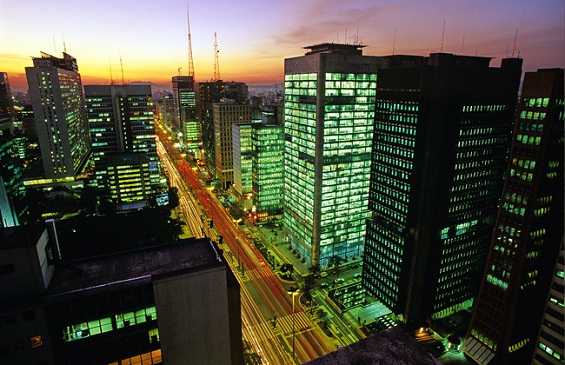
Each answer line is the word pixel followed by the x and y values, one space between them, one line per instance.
pixel 393 154
pixel 479 165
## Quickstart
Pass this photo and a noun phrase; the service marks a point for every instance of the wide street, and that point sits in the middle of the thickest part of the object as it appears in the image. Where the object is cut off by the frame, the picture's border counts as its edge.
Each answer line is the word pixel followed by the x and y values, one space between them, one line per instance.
pixel 263 296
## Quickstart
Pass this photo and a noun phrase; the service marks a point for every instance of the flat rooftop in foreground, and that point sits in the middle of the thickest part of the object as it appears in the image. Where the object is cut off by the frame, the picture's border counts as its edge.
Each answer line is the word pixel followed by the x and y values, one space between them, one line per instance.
pixel 183 255
pixel 392 346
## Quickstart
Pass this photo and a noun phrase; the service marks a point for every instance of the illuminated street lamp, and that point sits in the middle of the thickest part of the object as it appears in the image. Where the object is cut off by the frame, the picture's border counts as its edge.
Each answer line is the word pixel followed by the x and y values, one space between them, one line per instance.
pixel 293 293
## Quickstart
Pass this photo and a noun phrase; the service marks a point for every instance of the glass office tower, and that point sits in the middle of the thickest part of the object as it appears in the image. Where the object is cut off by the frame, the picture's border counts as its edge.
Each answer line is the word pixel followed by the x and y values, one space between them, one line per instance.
pixel 328 126
pixel 267 168
pixel 442 133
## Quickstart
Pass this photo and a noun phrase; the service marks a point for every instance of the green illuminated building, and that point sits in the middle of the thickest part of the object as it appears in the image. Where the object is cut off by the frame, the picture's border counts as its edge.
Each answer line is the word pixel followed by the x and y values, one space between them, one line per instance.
pixel 443 125
pixel 242 161
pixel 328 130
pixel 267 178
pixel 528 237
pixel 184 97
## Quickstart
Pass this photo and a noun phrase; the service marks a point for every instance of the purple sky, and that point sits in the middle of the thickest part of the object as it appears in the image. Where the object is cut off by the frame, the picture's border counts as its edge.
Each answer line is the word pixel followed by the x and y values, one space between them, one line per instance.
pixel 254 36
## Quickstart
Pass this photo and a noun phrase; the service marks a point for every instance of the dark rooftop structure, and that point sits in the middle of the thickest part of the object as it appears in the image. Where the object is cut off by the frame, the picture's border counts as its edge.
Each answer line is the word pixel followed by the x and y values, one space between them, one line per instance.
pixel 393 346
pixel 135 265
pixel 335 48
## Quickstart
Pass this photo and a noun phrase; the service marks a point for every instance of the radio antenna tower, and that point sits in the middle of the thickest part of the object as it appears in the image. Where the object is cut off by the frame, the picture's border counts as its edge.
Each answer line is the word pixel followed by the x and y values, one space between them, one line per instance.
pixel 216 62
pixel 514 46
pixel 122 67
pixel 190 60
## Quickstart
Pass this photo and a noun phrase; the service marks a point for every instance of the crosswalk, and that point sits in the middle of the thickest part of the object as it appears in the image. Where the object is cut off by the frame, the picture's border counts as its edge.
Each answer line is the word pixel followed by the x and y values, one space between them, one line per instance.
pixel 302 322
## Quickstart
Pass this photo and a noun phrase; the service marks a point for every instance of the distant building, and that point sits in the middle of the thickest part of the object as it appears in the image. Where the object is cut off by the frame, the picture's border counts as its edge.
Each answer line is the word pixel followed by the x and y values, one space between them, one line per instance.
pixel 6 101
pixel 184 96
pixel 441 139
pixel 268 168
pixel 209 93
pixel 328 129
pixel 12 191
pixel 121 121
pixel 242 164
pixel 55 90
pixel 527 234
pixel 148 306
pixel 225 114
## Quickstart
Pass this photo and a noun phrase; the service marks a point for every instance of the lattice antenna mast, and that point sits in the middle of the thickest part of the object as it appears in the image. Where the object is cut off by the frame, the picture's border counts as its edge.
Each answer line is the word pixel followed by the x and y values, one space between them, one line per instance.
pixel 190 59
pixel 216 62
pixel 122 67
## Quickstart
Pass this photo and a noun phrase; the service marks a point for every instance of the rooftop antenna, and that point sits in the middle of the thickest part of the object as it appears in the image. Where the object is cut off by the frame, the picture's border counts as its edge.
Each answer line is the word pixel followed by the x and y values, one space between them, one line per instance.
pixel 345 35
pixel 216 62
pixel 111 77
pixel 514 46
pixel 190 60
pixel 64 44
pixel 357 34
pixel 462 44
pixel 394 42
pixel 337 36
pixel 178 69
pixel 442 35
pixel 122 67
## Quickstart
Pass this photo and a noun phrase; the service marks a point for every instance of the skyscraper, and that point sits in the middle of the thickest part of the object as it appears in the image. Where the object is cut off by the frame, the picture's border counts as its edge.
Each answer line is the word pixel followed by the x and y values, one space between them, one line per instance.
pixel 442 133
pixel 55 90
pixel 6 102
pixel 121 121
pixel 226 114
pixel 328 127
pixel 185 107
pixel 242 164
pixel 528 231
pixel 208 94
pixel 267 168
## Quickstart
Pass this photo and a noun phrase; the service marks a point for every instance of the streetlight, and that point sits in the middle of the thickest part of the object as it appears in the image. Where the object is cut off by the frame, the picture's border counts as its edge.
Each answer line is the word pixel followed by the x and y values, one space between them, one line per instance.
pixel 293 293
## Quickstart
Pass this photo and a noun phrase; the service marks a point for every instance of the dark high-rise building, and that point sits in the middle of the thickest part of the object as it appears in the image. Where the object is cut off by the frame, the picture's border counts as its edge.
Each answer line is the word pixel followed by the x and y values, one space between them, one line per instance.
pixel 527 233
pixel 208 94
pixel 442 133
pixel 6 101
pixel 185 107
pixel 328 129
pixel 55 90
pixel 121 121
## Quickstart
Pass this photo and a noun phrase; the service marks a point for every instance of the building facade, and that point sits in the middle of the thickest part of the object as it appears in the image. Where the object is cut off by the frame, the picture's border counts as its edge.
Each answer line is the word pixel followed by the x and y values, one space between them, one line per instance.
pixel 6 101
pixel 121 121
pixel 267 170
pixel 225 114
pixel 442 134
pixel 12 192
pixel 328 129
pixel 549 347
pixel 242 164
pixel 184 96
pixel 528 230
pixel 56 94
pixel 149 306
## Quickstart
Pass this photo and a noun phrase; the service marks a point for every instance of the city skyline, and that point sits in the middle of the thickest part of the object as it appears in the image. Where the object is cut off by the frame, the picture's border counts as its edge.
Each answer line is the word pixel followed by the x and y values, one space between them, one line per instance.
pixel 254 37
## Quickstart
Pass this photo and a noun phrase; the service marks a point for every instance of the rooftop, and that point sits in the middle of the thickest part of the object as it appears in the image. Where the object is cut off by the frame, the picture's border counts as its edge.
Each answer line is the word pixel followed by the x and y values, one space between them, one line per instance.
pixel 393 346
pixel 142 264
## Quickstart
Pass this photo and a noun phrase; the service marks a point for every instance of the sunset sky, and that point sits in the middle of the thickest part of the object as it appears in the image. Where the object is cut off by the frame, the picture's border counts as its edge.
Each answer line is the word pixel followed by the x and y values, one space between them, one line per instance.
pixel 255 36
